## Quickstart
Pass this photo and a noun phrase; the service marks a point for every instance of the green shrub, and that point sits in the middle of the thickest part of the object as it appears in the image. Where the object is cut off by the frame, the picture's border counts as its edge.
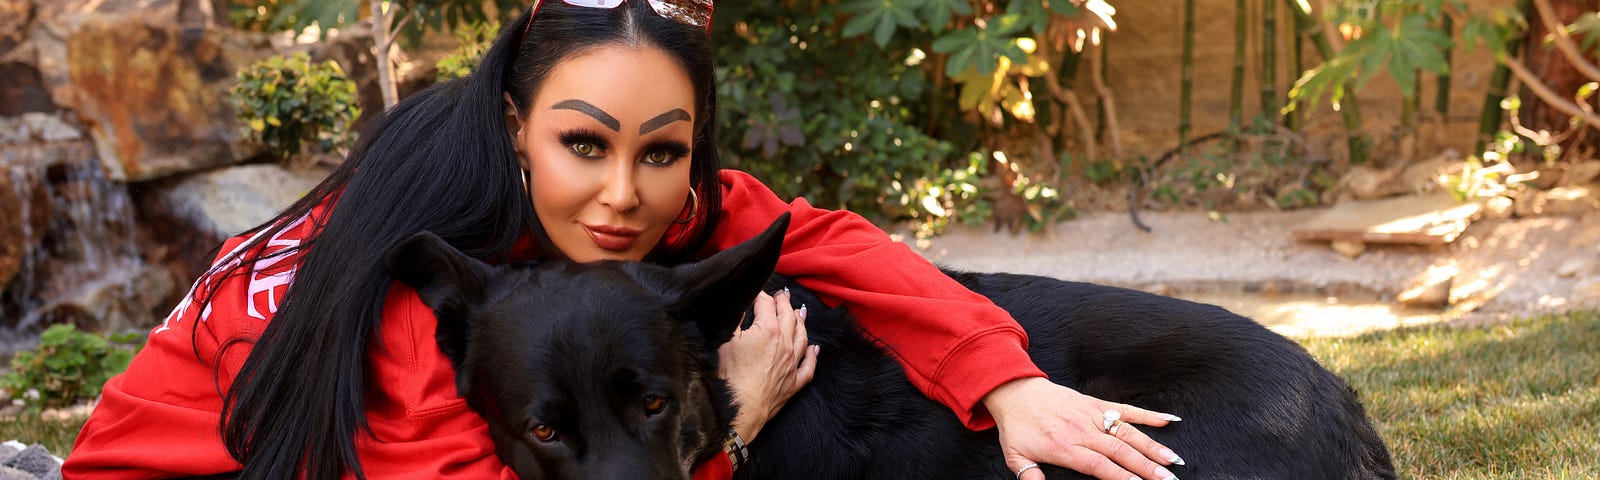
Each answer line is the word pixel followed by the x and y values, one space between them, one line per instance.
pixel 295 107
pixel 475 40
pixel 69 365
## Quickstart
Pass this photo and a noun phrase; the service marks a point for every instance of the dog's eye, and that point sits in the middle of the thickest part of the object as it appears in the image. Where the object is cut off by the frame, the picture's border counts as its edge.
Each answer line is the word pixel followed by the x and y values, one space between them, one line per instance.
pixel 543 433
pixel 654 404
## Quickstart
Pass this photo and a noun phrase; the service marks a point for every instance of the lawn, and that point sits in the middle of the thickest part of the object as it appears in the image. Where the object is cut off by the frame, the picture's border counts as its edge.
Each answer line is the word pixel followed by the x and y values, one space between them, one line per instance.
pixel 1519 400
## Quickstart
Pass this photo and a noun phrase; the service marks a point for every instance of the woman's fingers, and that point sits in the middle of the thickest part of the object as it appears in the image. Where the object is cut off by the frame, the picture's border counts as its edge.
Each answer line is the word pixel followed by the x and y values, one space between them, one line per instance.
pixel 1147 448
pixel 808 367
pixel 765 311
pixel 1132 414
pixel 785 315
pixel 1096 464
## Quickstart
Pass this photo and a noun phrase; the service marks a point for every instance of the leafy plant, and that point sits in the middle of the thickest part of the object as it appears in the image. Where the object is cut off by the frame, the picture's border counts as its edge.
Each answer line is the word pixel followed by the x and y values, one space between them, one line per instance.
pixel 475 40
pixel 295 107
pixel 69 365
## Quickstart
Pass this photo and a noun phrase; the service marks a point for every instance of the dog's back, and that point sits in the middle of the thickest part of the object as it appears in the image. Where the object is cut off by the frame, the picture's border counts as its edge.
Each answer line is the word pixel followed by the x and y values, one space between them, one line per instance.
pixel 1256 404
pixel 572 389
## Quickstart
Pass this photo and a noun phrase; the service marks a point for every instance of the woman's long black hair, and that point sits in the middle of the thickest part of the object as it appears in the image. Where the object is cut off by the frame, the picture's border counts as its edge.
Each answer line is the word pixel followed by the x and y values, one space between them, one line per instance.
pixel 443 161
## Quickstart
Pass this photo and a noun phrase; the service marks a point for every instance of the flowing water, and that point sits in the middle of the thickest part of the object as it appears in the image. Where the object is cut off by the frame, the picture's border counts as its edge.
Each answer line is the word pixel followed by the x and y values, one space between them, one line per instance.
pixel 85 260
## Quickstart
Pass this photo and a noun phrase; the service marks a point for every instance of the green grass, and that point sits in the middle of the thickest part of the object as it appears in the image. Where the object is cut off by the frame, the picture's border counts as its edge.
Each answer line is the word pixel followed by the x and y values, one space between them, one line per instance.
pixel 55 435
pixel 1519 400
pixel 1513 401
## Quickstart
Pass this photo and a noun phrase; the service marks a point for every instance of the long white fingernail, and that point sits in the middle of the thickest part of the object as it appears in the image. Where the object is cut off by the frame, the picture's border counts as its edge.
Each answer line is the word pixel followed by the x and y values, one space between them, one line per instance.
pixel 786 291
pixel 802 312
pixel 1170 417
pixel 1164 474
pixel 1171 456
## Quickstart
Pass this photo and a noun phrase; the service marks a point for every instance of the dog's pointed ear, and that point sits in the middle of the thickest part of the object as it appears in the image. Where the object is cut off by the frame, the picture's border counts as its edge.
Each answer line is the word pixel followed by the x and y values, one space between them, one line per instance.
pixel 448 281
pixel 719 289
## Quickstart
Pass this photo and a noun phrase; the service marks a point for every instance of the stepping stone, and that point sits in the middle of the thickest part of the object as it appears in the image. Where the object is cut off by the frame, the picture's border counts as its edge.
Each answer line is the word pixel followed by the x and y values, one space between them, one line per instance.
pixel 1433 219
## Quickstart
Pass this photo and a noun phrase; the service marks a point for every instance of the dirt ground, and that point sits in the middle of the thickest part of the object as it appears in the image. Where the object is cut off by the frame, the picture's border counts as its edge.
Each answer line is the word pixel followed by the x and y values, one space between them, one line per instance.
pixel 1249 263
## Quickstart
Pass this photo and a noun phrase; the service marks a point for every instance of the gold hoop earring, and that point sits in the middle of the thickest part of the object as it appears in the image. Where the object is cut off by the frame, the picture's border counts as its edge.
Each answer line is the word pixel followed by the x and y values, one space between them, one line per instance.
pixel 694 207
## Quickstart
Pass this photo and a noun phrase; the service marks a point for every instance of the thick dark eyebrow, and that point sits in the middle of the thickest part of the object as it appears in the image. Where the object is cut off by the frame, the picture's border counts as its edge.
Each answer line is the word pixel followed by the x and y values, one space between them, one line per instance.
pixel 591 110
pixel 663 120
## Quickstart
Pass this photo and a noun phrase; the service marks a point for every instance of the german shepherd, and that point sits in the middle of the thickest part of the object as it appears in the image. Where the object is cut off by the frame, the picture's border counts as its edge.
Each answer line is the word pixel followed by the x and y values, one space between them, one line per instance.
pixel 608 371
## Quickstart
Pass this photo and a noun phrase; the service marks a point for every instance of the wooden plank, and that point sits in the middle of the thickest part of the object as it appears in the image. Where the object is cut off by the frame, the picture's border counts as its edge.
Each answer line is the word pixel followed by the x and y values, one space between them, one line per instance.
pixel 1433 219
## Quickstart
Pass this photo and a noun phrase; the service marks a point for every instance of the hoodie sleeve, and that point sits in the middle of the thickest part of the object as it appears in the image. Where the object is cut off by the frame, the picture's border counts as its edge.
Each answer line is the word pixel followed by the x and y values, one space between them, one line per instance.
pixel 956 346
pixel 160 417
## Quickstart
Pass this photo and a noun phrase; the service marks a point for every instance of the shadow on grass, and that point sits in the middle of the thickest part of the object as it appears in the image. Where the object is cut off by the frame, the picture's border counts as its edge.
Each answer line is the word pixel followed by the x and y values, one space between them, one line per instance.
pixel 1519 400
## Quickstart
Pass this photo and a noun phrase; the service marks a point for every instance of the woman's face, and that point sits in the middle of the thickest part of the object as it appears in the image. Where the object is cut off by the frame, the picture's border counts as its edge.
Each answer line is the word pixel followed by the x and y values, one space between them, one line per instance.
pixel 607 142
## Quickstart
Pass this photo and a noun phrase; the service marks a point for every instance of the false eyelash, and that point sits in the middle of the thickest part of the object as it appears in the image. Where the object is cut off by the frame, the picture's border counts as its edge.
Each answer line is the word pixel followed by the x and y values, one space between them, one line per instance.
pixel 583 135
pixel 673 147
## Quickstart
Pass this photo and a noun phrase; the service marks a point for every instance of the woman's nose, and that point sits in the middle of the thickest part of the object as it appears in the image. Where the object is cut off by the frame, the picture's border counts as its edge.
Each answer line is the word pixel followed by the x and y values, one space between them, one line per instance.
pixel 620 192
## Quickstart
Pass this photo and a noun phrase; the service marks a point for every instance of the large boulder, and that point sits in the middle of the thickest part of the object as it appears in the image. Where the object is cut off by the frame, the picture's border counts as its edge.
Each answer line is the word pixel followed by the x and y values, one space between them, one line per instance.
pixel 181 220
pixel 156 96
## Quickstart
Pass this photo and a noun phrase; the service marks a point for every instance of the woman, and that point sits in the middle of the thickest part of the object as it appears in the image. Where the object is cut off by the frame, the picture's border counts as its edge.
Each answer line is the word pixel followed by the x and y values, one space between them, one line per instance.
pixel 586 132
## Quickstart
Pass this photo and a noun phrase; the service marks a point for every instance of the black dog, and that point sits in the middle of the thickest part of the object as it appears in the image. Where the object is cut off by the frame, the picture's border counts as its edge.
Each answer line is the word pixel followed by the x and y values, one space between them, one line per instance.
pixel 608 371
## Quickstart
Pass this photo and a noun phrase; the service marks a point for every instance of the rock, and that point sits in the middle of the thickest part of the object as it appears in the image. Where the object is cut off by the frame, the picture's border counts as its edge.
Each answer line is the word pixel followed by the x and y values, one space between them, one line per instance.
pixel 1349 248
pixel 1497 208
pixel 155 97
pixel 123 297
pixel 35 127
pixel 1581 173
pixel 1423 177
pixel 24 213
pixel 1365 183
pixel 223 203
pixel 1571 267
pixel 1429 290
pixel 1528 203
pixel 1572 200
pixel 1588 231
pixel 1587 290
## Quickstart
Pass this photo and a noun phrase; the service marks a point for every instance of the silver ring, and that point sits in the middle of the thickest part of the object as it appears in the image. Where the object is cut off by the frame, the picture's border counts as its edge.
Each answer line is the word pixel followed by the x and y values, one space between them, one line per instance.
pixel 1025 468
pixel 1111 417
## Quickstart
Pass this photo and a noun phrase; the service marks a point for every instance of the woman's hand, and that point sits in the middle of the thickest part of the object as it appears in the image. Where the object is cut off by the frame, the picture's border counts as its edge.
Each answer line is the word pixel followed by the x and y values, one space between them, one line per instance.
pixel 1041 422
pixel 767 363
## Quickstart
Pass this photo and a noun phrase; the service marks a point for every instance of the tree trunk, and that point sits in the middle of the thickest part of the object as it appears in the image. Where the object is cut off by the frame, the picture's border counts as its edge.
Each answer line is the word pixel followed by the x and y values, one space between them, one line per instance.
pixel 1549 65
pixel 1269 62
pixel 383 39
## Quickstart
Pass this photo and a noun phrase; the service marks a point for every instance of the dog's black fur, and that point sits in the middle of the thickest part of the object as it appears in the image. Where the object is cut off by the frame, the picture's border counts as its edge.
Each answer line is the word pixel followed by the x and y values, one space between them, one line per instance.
pixel 581 348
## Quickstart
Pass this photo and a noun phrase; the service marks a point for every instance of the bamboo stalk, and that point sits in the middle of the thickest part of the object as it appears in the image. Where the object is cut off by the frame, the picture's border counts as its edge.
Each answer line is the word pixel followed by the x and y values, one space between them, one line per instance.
pixel 1236 97
pixel 1269 62
pixel 1441 99
pixel 1489 120
pixel 1185 99
pixel 1297 63
pixel 1355 140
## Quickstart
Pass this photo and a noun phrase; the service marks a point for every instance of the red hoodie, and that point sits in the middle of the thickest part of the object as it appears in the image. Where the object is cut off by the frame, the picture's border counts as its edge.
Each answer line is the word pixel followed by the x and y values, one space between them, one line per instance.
pixel 160 418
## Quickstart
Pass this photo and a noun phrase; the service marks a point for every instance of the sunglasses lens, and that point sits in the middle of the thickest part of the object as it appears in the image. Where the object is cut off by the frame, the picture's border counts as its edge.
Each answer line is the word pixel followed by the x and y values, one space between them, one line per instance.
pixel 692 12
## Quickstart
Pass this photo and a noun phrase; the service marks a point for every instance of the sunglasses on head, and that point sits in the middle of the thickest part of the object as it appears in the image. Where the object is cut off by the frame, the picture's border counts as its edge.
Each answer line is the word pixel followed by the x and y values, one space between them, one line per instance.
pixel 696 13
